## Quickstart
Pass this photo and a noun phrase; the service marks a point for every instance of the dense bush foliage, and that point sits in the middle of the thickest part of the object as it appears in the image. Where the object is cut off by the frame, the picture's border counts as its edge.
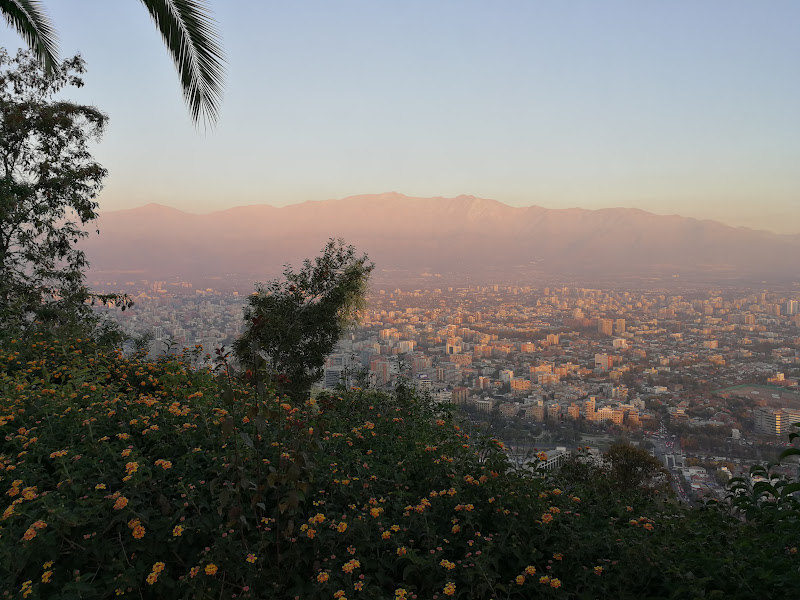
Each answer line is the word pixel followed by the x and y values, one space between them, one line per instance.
pixel 159 480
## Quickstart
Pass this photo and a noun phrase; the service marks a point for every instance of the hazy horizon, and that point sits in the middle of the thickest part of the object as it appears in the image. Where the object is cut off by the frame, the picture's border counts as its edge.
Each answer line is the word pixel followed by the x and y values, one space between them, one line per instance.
pixel 208 210
pixel 679 108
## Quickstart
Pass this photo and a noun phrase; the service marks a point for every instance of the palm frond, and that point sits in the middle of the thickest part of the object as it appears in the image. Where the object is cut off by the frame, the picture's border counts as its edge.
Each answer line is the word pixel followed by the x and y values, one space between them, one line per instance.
pixel 191 37
pixel 30 20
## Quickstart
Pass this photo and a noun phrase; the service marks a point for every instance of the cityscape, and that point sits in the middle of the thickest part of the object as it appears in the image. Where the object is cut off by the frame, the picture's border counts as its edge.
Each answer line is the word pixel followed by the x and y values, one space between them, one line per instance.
pixel 708 380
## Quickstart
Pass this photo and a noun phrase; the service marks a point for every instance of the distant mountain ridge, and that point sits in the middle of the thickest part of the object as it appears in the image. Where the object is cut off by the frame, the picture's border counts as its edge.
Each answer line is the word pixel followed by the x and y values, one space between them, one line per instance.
pixel 465 235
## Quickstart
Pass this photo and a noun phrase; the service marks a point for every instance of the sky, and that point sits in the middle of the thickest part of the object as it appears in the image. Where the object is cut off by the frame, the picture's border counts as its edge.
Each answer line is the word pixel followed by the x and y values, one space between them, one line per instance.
pixel 678 107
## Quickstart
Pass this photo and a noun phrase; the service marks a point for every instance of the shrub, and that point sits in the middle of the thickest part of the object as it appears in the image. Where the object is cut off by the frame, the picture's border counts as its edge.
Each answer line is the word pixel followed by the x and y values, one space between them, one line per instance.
pixel 158 480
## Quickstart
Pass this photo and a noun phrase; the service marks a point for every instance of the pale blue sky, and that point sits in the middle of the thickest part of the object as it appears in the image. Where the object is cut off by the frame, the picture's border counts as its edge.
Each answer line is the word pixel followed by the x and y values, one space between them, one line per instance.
pixel 685 107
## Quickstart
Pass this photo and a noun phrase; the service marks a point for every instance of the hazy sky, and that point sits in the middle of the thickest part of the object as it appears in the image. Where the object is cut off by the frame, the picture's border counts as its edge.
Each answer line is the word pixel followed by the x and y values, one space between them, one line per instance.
pixel 674 107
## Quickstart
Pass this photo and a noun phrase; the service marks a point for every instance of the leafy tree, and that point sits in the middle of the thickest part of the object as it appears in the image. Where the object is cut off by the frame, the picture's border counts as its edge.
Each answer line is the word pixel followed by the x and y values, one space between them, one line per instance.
pixel 48 182
pixel 632 468
pixel 185 25
pixel 294 323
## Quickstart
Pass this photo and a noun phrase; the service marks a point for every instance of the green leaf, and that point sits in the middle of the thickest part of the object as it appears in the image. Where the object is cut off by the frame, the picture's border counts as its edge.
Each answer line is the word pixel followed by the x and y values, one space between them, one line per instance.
pixel 789 452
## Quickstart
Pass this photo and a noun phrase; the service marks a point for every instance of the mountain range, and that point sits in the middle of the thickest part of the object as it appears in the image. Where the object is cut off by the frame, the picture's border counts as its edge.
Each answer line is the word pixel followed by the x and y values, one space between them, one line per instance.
pixel 464 238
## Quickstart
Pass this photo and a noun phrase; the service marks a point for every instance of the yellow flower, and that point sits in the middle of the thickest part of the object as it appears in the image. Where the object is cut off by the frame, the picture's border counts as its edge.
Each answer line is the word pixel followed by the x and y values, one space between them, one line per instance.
pixel 211 569
pixel 449 589
pixel 152 578
pixel 544 579
pixel 558 555
pixel 598 570
pixel 530 570
pixel 386 535
pixel 177 530
pixel 401 551
pixel 351 565
pixel 131 467
pixel 29 534
pixel 100 486
pixel 158 567
pixel 555 583
pixel 447 564
pixel 125 453
pixel 339 595
pixel 46 576
pixel 341 527
pixel 520 579
pixel 251 558
pixel 323 576
pixel 138 532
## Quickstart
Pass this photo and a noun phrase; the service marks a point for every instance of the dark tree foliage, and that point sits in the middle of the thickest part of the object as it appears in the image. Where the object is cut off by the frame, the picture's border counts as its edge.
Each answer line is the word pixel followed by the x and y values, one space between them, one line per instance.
pixel 293 324
pixel 48 183
pixel 635 469
pixel 621 470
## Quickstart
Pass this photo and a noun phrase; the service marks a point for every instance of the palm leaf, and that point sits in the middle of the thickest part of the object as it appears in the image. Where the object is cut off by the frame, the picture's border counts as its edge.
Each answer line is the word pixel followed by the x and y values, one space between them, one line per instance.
pixel 30 20
pixel 190 34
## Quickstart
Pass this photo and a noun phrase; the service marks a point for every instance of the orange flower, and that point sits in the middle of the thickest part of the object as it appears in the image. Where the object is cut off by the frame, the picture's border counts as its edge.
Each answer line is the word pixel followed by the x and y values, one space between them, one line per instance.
pixel 158 567
pixel 555 583
pixel 121 503
pixel 251 558
pixel 401 551
pixel 29 534
pixel 341 527
pixel 152 578
pixel 211 569
pixel 177 531
pixel 351 565
pixel 449 589
pixel 530 570
pixel 138 532
pixel 322 576
pixel 520 579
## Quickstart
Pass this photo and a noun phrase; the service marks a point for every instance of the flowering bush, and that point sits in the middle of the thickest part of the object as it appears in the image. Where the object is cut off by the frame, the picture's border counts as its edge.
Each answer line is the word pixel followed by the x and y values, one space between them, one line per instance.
pixel 121 477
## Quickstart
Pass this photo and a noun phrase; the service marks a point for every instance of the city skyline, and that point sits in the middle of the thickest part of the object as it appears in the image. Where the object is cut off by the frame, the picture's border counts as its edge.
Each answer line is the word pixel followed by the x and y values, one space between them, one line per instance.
pixel 681 109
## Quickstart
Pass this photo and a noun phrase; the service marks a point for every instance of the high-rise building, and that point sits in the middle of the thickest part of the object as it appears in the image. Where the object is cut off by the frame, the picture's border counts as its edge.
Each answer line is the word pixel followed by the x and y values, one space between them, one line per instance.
pixel 619 326
pixel 771 421
pixel 605 326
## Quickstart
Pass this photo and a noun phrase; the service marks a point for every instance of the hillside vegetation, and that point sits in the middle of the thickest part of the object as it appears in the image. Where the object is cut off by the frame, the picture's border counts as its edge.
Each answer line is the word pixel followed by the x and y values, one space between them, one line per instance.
pixel 123 477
